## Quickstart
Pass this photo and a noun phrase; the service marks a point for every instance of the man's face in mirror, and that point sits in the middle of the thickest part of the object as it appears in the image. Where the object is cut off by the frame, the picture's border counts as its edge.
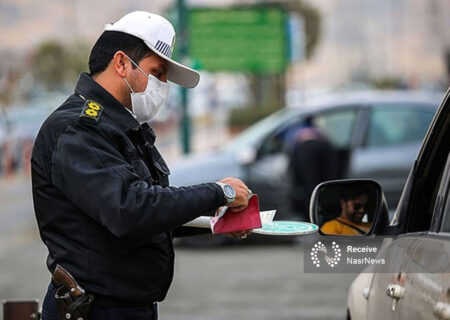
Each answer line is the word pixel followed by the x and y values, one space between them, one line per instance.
pixel 354 209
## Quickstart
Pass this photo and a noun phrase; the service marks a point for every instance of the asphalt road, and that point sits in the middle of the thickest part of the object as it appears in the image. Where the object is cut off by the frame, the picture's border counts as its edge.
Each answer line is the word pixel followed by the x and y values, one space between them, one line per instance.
pixel 233 282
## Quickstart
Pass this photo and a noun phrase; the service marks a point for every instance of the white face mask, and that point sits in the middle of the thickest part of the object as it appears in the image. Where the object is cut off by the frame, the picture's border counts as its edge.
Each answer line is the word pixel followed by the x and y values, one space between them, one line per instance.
pixel 146 104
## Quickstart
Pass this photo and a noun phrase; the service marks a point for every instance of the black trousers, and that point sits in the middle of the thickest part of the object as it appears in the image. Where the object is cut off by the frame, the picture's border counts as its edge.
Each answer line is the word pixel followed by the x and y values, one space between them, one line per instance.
pixel 100 312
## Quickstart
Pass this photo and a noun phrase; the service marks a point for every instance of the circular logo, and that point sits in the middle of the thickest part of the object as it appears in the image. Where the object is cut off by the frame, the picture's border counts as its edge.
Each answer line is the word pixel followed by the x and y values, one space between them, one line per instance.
pixel 319 247
pixel 285 228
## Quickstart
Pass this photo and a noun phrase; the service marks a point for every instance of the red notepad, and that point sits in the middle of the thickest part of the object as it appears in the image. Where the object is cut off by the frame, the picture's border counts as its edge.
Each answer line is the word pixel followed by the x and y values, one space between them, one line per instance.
pixel 229 221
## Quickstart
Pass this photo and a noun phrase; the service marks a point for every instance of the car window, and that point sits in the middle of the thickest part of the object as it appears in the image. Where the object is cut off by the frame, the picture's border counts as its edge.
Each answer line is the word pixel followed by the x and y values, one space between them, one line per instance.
pixel 446 218
pixel 394 124
pixel 338 126
pixel 253 135
pixel 427 187
pixel 281 140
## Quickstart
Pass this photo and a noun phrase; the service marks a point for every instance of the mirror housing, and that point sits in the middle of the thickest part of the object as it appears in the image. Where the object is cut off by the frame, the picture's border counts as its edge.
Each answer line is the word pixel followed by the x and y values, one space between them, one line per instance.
pixel 353 207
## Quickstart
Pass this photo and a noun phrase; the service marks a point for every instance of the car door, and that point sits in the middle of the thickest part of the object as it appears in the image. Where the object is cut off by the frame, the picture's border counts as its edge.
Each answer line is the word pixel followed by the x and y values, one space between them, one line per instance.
pixel 418 258
pixel 394 133
pixel 426 277
pixel 418 265
pixel 343 128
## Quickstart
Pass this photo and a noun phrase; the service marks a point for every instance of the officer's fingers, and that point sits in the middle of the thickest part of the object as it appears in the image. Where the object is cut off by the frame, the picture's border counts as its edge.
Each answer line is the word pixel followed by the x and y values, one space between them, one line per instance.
pixel 240 187
pixel 238 209
pixel 240 205
pixel 243 186
pixel 233 235
pixel 245 233
pixel 243 189
pixel 241 193
pixel 246 193
pixel 239 201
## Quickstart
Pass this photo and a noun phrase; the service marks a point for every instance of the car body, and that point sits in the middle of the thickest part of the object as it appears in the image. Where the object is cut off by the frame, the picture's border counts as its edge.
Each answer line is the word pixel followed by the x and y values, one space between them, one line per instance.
pixel 378 135
pixel 421 240
pixel 24 123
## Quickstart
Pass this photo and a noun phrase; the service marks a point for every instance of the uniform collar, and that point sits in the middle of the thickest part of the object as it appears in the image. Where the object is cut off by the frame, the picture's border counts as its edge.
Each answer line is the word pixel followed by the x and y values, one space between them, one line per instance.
pixel 90 89
pixel 148 134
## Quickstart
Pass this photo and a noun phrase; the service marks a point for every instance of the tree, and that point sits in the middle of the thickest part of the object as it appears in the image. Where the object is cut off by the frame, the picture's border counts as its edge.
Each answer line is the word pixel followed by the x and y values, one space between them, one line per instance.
pixel 48 65
pixel 312 21
pixel 55 66
pixel 260 83
pixel 77 61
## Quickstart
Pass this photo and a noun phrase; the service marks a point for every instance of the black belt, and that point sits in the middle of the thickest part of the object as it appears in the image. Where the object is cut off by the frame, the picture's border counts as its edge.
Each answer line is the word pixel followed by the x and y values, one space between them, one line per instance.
pixel 111 302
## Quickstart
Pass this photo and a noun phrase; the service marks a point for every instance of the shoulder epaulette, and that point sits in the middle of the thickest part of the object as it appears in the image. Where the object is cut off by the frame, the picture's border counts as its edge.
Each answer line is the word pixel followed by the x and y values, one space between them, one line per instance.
pixel 91 110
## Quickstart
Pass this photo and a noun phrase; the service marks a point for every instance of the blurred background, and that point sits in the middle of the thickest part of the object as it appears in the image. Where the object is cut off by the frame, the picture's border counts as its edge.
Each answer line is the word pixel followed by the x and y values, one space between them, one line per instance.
pixel 362 78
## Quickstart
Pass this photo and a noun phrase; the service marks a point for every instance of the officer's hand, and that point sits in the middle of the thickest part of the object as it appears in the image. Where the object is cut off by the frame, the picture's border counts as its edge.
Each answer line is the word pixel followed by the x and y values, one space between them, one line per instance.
pixel 238 235
pixel 242 193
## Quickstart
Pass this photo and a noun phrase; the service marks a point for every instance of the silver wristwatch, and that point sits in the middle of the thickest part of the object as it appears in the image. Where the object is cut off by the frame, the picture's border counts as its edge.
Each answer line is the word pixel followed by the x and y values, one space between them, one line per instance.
pixel 228 191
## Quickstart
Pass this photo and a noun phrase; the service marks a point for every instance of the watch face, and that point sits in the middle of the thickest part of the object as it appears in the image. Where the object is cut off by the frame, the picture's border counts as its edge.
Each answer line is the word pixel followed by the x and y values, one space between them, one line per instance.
pixel 229 191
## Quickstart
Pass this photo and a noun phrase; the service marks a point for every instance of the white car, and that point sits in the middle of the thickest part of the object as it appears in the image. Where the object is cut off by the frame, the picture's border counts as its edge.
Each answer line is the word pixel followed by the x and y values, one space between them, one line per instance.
pixel 416 284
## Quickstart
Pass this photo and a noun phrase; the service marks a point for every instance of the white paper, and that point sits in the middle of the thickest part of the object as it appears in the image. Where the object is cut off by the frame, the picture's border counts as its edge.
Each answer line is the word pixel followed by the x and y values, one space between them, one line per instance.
pixel 203 221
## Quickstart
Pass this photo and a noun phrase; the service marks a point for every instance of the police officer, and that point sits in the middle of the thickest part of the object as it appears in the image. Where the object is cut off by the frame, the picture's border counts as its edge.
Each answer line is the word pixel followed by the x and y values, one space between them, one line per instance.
pixel 101 194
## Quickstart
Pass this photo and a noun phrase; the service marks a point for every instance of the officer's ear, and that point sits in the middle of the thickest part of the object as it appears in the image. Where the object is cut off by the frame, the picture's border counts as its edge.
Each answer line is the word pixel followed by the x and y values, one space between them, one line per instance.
pixel 120 62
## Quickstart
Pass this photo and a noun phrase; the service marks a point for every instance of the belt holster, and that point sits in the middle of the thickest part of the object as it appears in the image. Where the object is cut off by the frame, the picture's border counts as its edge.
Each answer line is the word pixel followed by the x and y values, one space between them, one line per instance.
pixel 72 308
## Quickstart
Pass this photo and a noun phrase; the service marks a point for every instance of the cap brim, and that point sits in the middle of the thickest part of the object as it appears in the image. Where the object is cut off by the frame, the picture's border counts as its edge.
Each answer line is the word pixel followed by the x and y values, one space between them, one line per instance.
pixel 178 73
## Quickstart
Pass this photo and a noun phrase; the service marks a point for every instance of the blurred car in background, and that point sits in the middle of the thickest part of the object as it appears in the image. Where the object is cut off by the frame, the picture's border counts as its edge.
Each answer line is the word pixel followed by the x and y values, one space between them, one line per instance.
pixel 377 135
pixel 24 123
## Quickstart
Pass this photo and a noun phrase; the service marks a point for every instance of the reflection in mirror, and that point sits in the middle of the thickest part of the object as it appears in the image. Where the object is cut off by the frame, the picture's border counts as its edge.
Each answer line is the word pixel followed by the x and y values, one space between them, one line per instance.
pixel 346 208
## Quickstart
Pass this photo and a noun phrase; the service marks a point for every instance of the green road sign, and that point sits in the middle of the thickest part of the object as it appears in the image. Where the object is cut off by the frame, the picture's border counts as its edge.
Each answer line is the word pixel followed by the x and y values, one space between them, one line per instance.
pixel 246 39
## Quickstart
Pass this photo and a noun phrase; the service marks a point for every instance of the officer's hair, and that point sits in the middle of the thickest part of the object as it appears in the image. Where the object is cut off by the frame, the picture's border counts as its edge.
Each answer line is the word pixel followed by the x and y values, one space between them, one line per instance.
pixel 109 43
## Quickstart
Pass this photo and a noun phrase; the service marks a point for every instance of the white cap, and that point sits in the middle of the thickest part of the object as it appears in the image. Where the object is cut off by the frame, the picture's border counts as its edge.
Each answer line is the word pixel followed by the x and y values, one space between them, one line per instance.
pixel 159 35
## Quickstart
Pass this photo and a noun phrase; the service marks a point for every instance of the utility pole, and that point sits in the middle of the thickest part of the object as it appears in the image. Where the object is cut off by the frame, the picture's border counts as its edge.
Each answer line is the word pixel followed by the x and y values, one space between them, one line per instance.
pixel 185 128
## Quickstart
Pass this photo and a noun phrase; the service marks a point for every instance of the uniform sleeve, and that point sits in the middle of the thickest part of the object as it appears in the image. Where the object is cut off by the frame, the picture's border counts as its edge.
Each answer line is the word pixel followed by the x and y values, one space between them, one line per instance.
pixel 91 172
pixel 181 232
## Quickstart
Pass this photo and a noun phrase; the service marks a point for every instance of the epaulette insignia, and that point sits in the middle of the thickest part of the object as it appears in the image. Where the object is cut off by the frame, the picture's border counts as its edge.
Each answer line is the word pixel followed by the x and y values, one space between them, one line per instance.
pixel 92 110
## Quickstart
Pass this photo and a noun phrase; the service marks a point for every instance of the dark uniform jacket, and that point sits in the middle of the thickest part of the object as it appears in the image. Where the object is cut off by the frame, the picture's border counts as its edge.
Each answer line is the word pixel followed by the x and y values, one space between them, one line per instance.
pixel 102 199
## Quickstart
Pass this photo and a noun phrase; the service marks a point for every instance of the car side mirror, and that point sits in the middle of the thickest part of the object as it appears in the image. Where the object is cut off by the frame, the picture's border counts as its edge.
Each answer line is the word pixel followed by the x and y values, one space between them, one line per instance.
pixel 347 207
